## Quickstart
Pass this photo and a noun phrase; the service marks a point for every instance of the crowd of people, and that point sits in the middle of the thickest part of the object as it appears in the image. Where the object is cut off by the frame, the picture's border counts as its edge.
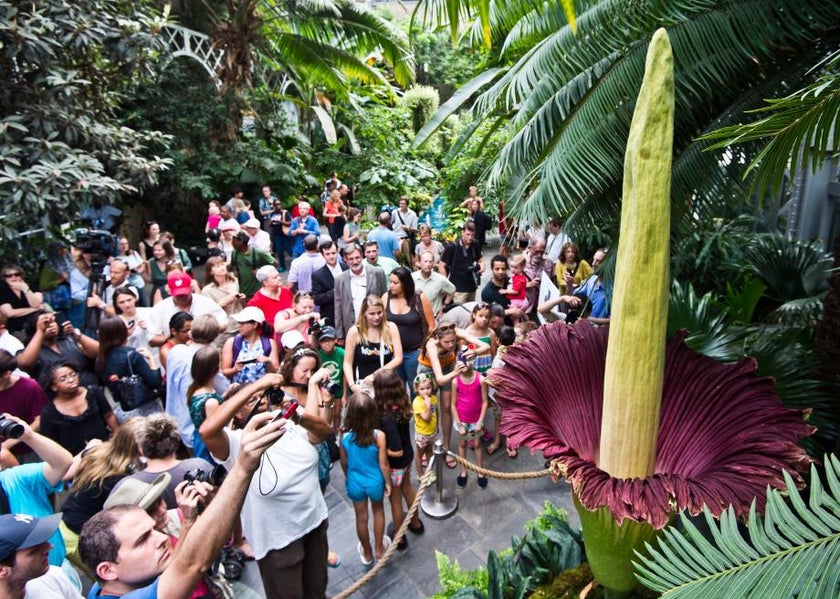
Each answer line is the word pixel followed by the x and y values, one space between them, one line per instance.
pixel 377 344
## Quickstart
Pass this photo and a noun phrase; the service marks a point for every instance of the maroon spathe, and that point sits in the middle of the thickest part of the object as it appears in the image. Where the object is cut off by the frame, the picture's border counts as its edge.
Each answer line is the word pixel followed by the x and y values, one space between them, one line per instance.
pixel 724 434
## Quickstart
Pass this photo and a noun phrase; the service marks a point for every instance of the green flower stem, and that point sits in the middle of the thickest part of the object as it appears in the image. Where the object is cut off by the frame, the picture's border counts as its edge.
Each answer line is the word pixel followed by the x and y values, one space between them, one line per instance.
pixel 610 548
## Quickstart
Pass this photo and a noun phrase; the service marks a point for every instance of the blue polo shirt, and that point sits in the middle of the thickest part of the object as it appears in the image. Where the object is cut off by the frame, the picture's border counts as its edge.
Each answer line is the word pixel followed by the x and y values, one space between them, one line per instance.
pixel 597 294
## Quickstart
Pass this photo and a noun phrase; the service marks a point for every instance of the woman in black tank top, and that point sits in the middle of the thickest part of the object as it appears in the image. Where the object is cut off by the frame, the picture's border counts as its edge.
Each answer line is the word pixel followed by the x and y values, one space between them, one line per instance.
pixel 412 313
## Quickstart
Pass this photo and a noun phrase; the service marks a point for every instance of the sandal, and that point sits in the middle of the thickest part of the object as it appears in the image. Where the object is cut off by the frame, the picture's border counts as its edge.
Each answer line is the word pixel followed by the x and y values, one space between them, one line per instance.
pixel 493 447
pixel 362 555
pixel 419 529
pixel 333 559
pixel 451 462
pixel 511 452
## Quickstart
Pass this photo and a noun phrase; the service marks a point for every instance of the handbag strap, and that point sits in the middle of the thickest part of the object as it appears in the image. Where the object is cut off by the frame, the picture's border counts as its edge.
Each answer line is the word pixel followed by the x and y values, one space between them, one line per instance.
pixel 128 357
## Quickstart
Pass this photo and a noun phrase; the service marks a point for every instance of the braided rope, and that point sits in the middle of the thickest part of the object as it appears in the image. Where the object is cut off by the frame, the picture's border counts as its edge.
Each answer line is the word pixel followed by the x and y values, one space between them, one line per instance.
pixel 425 482
pixel 496 474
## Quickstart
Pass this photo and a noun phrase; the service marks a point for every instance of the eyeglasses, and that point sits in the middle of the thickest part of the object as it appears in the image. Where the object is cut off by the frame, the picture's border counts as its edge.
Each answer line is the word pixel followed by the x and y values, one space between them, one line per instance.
pixel 67 377
pixel 9 275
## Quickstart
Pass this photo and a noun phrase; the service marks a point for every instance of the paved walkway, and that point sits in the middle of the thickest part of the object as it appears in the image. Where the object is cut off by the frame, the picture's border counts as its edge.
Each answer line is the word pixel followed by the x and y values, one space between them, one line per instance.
pixel 485 520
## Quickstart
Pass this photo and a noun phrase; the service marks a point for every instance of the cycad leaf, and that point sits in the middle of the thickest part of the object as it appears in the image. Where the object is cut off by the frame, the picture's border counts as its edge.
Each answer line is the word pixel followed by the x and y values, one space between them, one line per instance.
pixel 804 560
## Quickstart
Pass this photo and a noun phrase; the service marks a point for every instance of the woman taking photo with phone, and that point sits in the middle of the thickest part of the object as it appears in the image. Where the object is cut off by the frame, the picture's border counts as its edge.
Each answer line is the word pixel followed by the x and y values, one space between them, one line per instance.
pixel 372 344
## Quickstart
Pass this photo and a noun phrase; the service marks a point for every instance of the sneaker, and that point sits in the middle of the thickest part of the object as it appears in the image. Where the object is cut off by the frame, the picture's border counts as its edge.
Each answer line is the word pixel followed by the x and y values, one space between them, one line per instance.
pixel 461 481
pixel 482 482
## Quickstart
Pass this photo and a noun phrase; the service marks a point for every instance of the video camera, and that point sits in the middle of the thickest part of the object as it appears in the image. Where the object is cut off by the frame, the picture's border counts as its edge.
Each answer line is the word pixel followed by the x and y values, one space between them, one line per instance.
pixel 96 242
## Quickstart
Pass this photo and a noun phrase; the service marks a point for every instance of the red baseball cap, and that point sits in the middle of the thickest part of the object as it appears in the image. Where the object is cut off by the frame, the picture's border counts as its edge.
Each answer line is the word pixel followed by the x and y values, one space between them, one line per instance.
pixel 179 283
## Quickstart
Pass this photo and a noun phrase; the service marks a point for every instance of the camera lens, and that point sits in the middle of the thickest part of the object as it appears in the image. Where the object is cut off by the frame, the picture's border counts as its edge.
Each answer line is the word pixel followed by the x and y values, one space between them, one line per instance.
pixel 10 429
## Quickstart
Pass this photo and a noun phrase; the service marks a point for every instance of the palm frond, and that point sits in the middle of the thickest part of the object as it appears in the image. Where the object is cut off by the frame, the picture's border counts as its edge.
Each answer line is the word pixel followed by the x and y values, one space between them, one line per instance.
pixel 801 128
pixel 707 330
pixel 793 551
pixel 792 270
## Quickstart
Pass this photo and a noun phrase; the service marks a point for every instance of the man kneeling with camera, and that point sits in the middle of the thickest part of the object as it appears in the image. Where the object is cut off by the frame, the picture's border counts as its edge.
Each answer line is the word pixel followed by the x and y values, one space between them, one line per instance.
pixel 131 559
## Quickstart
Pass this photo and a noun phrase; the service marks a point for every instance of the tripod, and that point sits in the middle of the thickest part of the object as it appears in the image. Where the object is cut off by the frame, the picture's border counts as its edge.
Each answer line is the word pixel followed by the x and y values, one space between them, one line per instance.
pixel 96 286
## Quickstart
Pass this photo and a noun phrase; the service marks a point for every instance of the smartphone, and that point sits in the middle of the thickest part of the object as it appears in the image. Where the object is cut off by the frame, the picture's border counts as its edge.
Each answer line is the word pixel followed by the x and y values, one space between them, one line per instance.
pixel 251 361
pixel 60 319
pixel 288 413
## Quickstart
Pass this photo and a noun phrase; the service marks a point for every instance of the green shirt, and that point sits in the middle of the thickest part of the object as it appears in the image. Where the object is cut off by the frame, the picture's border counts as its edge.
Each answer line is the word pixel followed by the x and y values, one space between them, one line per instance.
pixel 246 266
pixel 334 362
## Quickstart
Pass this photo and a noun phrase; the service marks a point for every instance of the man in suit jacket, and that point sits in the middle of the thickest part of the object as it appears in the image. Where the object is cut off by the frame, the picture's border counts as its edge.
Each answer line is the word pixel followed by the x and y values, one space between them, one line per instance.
pixel 323 281
pixel 352 286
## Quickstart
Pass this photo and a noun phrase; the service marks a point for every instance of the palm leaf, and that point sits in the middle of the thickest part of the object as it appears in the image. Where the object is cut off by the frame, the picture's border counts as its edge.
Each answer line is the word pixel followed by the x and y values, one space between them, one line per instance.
pixel 801 128
pixel 793 551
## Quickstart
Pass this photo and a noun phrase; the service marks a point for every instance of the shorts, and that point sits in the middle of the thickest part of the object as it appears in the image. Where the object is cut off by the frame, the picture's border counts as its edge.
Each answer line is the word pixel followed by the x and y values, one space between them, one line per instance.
pixel 358 491
pixel 423 441
pixel 397 475
pixel 423 369
pixel 470 435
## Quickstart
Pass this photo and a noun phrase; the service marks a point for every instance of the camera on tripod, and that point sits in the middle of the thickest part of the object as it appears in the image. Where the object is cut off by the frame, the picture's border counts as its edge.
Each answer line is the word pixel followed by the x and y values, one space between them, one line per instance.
pixel 96 242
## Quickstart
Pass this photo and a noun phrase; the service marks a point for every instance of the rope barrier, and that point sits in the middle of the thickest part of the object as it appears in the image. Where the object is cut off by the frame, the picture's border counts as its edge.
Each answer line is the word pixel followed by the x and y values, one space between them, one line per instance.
pixel 425 482
pixel 496 474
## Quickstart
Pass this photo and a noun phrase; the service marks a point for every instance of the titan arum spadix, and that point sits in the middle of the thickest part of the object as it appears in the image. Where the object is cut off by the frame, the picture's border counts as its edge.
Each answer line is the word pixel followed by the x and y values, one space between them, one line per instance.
pixel 640 427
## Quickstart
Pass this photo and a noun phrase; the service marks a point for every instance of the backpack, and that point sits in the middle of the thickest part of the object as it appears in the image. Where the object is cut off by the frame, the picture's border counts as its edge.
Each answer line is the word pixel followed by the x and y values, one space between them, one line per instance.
pixel 237 345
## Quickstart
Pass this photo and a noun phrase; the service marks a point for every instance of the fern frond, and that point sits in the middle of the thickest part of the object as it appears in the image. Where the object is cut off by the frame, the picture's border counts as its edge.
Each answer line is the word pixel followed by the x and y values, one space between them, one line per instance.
pixel 792 551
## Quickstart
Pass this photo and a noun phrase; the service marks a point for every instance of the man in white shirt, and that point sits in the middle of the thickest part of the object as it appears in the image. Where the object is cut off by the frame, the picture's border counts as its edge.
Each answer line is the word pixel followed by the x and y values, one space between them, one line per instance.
pixel 352 286
pixel 404 224
pixel 258 238
pixel 24 552
pixel 437 288
pixel 302 267
pixel 555 241
pixel 181 300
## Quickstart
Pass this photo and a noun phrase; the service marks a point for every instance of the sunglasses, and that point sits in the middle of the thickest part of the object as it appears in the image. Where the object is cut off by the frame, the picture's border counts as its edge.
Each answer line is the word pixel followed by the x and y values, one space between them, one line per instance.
pixel 9 275
pixel 446 327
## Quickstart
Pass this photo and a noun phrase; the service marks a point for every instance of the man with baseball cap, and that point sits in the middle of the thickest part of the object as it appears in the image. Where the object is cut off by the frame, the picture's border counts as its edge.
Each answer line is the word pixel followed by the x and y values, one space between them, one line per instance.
pixel 24 559
pixel 182 299
pixel 129 557
pixel 257 237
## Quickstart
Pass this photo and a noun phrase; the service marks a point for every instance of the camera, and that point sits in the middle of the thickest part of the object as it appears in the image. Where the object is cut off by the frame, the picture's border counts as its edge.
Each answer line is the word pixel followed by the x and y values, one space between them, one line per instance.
pixel 94 241
pixel 332 387
pixel 215 477
pixel 232 562
pixel 9 429
pixel 274 395
pixel 475 271
pixel 314 325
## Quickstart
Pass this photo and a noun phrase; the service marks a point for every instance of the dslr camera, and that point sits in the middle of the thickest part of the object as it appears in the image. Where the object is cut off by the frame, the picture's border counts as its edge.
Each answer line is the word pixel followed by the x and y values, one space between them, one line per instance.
pixel 215 477
pixel 94 241
pixel 315 325
pixel 9 429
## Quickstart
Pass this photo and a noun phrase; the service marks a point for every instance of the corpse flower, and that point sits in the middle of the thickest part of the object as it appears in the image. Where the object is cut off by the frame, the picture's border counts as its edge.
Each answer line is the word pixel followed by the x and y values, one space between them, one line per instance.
pixel 724 435
pixel 642 428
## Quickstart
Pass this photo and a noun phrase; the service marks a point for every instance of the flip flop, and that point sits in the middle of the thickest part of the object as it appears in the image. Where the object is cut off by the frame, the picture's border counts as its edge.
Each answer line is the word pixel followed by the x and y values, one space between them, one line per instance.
pixel 492 448
pixel 511 452
pixel 451 462
pixel 386 542
pixel 419 529
pixel 362 555
pixel 333 559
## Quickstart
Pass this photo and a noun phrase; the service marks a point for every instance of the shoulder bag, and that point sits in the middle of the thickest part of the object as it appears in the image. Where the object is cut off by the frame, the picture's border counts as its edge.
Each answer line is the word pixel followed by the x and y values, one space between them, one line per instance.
pixel 132 392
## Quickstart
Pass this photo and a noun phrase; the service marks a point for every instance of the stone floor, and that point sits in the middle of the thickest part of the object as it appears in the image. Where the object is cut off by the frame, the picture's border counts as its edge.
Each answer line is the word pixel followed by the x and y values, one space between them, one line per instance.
pixel 485 520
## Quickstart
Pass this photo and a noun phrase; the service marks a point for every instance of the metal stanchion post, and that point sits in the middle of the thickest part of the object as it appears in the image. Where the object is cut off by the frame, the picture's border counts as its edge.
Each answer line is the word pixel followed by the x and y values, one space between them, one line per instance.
pixel 441 504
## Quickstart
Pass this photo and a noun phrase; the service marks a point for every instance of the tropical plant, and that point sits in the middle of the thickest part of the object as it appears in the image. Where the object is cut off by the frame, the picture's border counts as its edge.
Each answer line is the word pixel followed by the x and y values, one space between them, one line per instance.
pixel 550 546
pixel 570 97
pixel 799 129
pixel 639 439
pixel 793 551
pixel 63 66
pixel 422 102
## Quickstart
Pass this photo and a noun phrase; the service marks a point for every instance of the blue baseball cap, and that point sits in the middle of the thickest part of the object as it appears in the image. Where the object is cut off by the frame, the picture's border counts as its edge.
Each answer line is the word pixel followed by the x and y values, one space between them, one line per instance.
pixel 21 531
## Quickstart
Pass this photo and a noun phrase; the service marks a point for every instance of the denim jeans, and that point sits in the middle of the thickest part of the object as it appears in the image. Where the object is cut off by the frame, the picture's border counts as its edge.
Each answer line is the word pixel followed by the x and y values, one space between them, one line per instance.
pixel 408 369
